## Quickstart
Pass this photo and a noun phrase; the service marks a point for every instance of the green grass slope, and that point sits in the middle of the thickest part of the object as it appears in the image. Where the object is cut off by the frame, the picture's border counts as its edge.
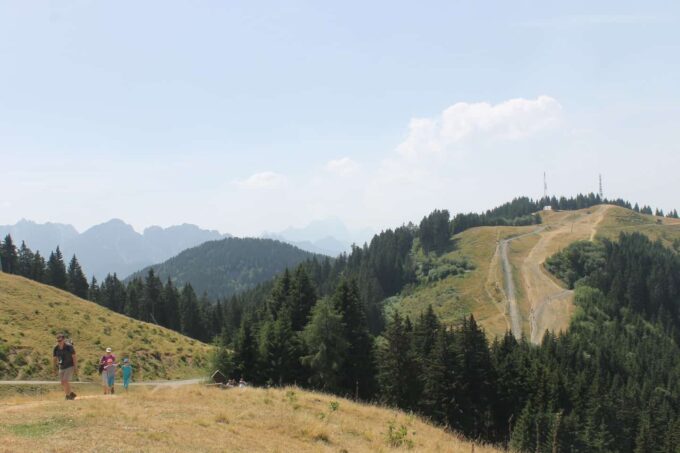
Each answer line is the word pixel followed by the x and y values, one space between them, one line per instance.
pixel 479 289
pixel 32 313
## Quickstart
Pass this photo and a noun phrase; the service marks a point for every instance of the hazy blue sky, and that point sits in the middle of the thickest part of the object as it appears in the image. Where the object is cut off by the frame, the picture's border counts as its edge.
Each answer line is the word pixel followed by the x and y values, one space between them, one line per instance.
pixel 256 116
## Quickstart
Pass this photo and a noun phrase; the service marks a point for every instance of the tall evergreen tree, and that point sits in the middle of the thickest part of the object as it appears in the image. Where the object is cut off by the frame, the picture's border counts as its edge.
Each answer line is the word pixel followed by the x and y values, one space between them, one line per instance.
pixel 38 268
pixel 302 298
pixel 150 309
pixel 56 270
pixel 190 316
pixel 358 370
pixel 25 261
pixel 8 256
pixel 245 351
pixel 397 365
pixel 326 344
pixel 280 351
pixel 75 279
pixel 170 299
pixel 93 291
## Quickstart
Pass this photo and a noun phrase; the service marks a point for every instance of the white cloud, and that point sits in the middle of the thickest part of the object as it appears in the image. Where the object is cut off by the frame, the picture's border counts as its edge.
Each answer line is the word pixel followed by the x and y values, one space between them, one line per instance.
pixel 464 124
pixel 342 167
pixel 262 180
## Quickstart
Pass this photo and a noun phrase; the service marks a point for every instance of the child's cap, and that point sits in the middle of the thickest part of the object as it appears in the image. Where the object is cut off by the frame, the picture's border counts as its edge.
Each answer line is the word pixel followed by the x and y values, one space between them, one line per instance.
pixel 109 361
pixel 126 360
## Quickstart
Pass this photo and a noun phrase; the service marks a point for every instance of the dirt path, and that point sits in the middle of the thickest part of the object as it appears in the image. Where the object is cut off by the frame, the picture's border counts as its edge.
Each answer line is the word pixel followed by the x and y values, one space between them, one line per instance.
pixel 551 306
pixel 509 287
pixel 159 383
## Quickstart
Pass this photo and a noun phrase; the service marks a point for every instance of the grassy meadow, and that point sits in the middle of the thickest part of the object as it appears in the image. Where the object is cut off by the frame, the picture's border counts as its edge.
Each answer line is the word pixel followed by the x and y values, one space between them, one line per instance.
pixel 208 419
pixel 32 313
pixel 480 290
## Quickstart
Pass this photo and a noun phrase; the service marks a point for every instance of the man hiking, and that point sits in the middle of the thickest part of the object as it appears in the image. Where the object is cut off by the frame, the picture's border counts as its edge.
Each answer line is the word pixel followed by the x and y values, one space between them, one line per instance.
pixel 65 364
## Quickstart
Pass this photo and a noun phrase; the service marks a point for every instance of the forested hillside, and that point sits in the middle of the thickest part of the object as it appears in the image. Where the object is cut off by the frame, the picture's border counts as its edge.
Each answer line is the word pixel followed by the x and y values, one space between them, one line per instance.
pixel 609 383
pixel 228 266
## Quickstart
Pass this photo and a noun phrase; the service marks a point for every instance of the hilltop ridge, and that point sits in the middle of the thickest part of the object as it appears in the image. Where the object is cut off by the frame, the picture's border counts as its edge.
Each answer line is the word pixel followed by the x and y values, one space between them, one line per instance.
pixel 32 313
pixel 543 302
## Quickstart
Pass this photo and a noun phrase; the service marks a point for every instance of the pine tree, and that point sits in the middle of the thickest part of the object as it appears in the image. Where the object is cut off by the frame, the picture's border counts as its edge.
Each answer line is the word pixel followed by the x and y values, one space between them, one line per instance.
pixel 113 295
pixel 478 378
pixel 190 317
pixel 326 345
pixel 357 372
pixel 245 351
pixel 149 304
pixel 279 351
pixel 8 256
pixel 133 296
pixel 56 270
pixel 38 268
pixel 302 298
pixel 397 366
pixel 170 299
pixel 93 292
pixel 440 379
pixel 75 279
pixel 25 261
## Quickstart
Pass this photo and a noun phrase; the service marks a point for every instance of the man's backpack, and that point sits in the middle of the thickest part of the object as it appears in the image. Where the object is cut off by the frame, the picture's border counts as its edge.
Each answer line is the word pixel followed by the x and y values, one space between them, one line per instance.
pixel 101 365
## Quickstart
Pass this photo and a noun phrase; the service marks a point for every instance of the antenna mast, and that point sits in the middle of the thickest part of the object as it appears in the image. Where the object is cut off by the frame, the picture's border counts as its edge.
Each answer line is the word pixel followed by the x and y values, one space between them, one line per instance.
pixel 545 186
pixel 601 193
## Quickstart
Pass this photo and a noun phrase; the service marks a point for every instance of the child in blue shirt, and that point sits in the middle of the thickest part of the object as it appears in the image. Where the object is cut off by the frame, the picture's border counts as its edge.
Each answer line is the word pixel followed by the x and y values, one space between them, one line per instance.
pixel 127 373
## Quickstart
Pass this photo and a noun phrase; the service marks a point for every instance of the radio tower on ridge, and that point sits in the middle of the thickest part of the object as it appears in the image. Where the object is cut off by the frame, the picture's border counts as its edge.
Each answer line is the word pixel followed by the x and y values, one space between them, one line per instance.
pixel 601 193
pixel 545 187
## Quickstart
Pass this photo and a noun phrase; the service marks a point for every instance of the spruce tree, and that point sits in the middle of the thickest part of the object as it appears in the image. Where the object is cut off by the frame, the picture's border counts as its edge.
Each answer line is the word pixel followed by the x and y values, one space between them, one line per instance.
pixel 8 256
pixel 279 351
pixel 25 261
pixel 326 346
pixel 397 366
pixel 357 373
pixel 38 268
pixel 170 299
pixel 56 270
pixel 93 291
pixel 302 298
pixel 190 317
pixel 75 279
pixel 245 351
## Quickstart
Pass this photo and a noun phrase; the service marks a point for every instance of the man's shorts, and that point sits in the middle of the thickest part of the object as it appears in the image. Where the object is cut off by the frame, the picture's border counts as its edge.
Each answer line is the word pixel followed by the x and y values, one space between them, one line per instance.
pixel 66 374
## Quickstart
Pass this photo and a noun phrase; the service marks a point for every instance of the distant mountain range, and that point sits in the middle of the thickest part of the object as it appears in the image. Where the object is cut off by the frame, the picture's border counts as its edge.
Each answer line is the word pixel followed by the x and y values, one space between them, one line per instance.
pixel 225 267
pixel 327 237
pixel 113 246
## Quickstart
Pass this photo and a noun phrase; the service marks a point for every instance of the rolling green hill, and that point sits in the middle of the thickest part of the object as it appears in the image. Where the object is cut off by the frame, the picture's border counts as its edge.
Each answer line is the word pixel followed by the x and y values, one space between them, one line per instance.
pixel 224 267
pixel 32 313
pixel 543 302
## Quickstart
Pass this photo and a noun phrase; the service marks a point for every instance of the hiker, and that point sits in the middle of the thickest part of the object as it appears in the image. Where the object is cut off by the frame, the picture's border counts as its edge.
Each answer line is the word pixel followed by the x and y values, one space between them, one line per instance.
pixel 127 373
pixel 242 383
pixel 110 373
pixel 102 363
pixel 65 364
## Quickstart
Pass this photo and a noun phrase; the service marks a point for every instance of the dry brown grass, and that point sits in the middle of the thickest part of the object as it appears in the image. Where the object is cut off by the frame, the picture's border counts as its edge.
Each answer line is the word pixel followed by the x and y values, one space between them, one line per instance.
pixel 201 419
pixel 31 314
pixel 543 302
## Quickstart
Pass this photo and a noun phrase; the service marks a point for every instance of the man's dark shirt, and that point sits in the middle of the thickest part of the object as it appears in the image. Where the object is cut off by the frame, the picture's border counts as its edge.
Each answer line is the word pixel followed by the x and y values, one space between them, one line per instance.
pixel 64 356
